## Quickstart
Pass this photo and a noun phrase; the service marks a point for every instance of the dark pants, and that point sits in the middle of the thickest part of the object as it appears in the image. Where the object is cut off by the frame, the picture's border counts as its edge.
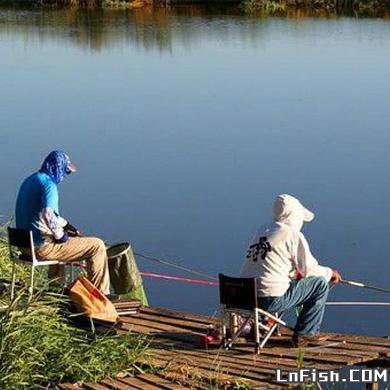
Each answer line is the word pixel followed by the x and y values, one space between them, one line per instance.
pixel 311 293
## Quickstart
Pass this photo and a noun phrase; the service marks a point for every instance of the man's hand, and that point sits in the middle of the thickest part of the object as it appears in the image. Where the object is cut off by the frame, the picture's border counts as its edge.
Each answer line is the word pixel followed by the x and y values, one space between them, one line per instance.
pixel 335 277
pixel 71 230
pixel 63 239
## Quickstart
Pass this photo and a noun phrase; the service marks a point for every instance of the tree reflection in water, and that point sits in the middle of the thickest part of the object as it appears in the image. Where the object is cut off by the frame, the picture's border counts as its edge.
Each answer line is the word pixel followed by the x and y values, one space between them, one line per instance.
pixel 150 28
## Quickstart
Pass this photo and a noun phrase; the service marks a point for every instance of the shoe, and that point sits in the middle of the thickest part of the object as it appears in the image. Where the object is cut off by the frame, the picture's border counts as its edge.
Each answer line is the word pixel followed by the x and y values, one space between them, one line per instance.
pixel 301 341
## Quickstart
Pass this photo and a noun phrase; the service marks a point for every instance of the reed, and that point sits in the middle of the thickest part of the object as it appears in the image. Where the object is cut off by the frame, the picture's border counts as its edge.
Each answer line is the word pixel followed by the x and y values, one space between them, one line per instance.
pixel 80 3
pixel 73 3
pixel 40 348
pixel 349 7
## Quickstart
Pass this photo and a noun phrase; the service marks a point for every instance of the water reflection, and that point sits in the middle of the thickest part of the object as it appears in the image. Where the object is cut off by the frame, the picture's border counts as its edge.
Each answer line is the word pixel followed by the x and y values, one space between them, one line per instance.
pixel 148 28
pixel 185 122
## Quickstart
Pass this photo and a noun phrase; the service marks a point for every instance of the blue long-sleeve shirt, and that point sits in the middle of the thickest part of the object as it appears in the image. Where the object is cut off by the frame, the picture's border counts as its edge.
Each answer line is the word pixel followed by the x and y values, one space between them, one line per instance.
pixel 37 209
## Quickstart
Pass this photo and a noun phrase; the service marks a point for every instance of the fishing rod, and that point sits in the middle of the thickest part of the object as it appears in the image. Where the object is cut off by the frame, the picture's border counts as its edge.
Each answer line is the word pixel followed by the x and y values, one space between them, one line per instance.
pixel 216 284
pixel 204 275
pixel 362 285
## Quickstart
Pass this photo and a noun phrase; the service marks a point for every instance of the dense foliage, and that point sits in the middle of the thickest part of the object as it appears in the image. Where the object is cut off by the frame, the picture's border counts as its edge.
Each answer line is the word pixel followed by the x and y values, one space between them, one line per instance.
pixel 40 348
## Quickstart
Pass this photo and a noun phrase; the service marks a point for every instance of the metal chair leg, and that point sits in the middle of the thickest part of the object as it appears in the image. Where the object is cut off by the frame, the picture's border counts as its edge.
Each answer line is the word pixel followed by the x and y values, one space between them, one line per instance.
pixel 13 279
pixel 31 287
pixel 224 338
pixel 223 327
pixel 71 273
pixel 268 335
pixel 235 336
pixel 65 276
pixel 257 333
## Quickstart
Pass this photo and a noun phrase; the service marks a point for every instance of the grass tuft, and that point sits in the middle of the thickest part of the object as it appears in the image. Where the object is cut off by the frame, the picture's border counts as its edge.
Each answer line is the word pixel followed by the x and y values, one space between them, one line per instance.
pixel 40 348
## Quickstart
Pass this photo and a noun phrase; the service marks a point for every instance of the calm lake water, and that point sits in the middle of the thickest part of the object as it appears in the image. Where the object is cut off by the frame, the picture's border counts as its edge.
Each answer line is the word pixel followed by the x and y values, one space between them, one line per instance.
pixel 186 123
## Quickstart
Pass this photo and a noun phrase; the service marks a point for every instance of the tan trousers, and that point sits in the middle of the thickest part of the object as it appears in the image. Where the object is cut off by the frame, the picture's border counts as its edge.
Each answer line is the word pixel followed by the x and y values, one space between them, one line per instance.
pixel 90 249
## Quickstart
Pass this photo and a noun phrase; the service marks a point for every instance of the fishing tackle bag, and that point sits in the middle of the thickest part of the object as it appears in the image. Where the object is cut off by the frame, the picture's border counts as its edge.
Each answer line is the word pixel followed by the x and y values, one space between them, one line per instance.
pixel 91 301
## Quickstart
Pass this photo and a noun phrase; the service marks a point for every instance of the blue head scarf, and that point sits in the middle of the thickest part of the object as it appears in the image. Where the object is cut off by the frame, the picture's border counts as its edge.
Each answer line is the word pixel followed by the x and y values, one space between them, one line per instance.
pixel 55 165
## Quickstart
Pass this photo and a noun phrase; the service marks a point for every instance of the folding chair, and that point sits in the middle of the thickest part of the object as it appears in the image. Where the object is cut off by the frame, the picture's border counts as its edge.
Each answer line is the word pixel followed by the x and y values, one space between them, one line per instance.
pixel 23 239
pixel 238 296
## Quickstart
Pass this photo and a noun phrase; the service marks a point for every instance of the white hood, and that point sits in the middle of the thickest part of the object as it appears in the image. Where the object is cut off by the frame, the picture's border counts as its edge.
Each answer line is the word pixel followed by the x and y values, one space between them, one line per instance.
pixel 279 249
pixel 290 211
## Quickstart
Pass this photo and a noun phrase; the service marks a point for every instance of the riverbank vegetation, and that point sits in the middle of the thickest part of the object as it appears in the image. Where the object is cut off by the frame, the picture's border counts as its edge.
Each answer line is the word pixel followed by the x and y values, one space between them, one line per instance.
pixel 351 7
pixel 123 4
pixel 40 347
pixel 348 7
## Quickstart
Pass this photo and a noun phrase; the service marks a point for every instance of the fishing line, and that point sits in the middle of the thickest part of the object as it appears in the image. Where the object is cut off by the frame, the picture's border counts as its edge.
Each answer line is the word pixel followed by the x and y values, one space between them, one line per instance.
pixel 174 265
pixel 216 284
pixel 215 280
pixel 179 278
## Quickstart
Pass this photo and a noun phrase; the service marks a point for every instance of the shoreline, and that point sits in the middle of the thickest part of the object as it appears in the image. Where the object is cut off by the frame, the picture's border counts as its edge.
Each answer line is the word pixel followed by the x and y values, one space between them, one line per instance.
pixel 379 8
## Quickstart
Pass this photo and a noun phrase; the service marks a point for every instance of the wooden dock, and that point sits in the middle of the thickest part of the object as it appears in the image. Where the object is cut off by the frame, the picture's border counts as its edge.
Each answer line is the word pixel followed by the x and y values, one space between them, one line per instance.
pixel 180 364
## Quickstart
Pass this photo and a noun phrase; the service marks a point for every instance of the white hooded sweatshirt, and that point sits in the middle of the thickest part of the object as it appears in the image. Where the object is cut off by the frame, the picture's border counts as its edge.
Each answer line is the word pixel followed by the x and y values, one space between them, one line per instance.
pixel 279 250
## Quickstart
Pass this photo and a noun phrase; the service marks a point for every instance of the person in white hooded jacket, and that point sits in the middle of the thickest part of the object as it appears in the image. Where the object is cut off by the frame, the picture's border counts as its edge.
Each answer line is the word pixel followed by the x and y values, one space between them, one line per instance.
pixel 288 275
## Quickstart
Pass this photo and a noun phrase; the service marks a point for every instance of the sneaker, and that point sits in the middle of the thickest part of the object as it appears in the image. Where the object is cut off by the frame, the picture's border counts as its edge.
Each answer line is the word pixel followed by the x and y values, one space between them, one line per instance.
pixel 300 341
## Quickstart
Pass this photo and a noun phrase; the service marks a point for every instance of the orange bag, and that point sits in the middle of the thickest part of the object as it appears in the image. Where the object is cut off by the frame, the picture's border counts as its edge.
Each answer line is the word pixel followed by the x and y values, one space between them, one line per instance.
pixel 91 301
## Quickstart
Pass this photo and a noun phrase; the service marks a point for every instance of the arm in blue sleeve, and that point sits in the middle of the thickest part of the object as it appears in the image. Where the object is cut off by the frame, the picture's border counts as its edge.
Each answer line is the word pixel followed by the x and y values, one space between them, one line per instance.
pixel 53 221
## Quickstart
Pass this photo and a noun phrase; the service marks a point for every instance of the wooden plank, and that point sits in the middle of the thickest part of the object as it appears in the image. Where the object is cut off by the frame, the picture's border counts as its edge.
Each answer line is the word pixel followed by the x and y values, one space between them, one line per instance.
pixel 277 362
pixel 170 366
pixel 254 361
pixel 326 347
pixel 217 368
pixel 126 302
pixel 127 312
pixel 155 325
pixel 292 353
pixel 361 355
pixel 94 386
pixel 114 384
pixel 363 349
pixel 69 386
pixel 356 343
pixel 266 386
pixel 202 319
pixel 207 374
pixel 173 348
pixel 137 383
pixel 156 333
pixel 332 361
pixel 361 340
pixel 245 358
pixel 319 357
pixel 140 330
pixel 189 325
pixel 161 382
pixel 334 355
pixel 325 356
pixel 229 367
pixel 231 364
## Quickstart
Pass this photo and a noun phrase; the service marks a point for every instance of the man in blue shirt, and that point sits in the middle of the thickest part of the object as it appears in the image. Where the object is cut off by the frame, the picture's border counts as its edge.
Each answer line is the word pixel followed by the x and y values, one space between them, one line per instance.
pixel 37 209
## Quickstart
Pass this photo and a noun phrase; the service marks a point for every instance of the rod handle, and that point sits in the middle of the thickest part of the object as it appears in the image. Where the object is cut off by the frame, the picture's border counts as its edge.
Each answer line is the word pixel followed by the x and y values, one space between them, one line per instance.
pixel 352 283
